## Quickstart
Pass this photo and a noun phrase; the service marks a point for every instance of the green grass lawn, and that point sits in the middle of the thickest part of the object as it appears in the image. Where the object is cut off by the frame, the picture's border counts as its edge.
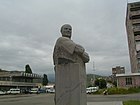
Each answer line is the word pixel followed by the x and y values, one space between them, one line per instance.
pixel 131 102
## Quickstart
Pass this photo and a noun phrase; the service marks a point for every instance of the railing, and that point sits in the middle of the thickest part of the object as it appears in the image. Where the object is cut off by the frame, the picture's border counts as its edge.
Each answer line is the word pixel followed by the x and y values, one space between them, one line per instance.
pixel 10 83
pixel 136 29
pixel 33 75
pixel 135 4
pixel 136 21
pixel 137 38
pixel 135 13
pixel 138 55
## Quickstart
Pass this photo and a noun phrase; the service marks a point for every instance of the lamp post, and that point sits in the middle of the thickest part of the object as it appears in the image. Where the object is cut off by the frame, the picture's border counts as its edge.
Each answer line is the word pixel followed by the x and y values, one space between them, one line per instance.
pixel 93 73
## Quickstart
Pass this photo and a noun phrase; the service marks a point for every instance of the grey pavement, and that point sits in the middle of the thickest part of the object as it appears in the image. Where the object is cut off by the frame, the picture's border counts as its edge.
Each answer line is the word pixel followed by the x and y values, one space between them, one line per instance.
pixel 48 99
pixel 105 103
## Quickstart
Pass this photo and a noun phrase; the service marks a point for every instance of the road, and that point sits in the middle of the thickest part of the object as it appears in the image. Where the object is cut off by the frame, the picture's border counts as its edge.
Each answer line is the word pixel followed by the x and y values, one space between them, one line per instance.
pixel 107 98
pixel 47 99
pixel 27 99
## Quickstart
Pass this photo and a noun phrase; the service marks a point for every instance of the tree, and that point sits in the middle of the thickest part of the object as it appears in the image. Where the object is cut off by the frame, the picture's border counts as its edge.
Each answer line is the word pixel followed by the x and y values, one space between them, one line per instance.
pixel 101 83
pixel 115 83
pixel 28 69
pixel 45 79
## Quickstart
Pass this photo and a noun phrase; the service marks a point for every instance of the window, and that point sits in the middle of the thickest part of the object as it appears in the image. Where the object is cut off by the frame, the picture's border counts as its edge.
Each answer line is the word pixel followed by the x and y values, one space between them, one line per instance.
pixel 135 17
pixel 128 81
pixel 135 9
pixel 137 45
pixel 139 60
pixel 137 33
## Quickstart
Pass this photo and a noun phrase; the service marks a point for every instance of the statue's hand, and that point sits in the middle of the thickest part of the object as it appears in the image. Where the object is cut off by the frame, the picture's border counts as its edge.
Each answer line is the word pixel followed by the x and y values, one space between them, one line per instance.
pixel 85 57
pixel 79 49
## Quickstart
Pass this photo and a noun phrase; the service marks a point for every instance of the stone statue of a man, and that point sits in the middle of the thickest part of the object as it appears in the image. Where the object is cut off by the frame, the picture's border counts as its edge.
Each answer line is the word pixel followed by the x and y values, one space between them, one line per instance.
pixel 70 74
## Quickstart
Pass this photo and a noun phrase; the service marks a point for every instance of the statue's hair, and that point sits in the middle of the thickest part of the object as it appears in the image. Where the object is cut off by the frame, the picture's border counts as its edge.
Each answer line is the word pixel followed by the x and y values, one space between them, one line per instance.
pixel 64 26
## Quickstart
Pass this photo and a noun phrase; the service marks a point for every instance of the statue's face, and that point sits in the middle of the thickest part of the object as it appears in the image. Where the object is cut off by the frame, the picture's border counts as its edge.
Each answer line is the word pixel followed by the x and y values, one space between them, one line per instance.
pixel 66 31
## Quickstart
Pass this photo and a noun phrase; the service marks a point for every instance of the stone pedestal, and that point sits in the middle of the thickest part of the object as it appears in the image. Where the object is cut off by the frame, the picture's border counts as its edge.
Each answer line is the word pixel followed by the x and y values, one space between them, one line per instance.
pixel 70 80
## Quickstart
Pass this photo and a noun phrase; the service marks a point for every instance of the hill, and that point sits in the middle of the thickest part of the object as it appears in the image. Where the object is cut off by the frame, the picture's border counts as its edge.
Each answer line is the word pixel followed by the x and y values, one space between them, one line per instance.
pixel 51 78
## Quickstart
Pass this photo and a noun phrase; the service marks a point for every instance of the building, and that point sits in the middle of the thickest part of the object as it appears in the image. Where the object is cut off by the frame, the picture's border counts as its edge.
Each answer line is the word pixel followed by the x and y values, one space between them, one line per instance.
pixel 118 70
pixel 19 79
pixel 128 80
pixel 133 35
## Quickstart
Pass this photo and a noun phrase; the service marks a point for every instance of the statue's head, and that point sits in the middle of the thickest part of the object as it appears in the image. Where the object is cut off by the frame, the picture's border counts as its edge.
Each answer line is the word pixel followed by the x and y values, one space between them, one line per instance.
pixel 66 30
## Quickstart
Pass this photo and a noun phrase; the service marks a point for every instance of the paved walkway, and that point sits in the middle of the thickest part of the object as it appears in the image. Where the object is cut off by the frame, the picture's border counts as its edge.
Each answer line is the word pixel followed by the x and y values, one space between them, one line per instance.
pixel 105 103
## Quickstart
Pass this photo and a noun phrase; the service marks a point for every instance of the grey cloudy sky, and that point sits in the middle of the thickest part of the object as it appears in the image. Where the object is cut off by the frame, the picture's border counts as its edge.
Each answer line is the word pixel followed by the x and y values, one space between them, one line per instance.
pixel 29 29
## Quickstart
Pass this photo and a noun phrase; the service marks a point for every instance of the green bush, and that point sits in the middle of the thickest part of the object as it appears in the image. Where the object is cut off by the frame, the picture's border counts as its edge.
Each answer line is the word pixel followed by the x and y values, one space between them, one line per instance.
pixel 133 90
pixel 100 91
pixel 115 90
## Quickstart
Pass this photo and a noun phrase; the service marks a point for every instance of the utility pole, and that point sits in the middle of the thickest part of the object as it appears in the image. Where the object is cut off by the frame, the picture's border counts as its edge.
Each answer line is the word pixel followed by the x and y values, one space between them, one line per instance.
pixel 93 72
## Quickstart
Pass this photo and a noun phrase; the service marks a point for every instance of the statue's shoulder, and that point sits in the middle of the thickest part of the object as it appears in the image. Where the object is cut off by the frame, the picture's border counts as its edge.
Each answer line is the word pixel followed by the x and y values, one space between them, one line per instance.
pixel 62 39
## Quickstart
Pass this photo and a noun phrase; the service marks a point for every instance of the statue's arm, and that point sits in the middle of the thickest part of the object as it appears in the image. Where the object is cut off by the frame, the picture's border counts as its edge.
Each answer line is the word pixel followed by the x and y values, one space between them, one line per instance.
pixel 85 57
pixel 81 52
pixel 79 49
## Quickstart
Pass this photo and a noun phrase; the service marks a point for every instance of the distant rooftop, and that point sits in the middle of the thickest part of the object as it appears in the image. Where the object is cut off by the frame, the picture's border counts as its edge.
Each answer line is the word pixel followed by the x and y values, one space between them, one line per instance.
pixel 129 74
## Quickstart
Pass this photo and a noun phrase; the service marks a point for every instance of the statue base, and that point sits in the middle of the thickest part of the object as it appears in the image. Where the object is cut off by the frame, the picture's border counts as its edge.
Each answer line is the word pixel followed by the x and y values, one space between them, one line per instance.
pixel 70 84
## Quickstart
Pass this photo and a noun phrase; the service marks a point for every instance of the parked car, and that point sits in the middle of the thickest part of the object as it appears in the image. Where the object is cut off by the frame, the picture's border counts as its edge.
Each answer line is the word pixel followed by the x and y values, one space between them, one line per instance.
pixel 42 90
pixel 51 90
pixel 2 92
pixel 25 91
pixel 14 91
pixel 90 90
pixel 34 90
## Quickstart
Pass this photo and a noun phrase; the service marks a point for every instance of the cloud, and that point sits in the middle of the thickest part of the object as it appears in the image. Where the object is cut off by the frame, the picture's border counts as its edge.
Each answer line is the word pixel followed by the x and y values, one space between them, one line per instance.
pixel 29 29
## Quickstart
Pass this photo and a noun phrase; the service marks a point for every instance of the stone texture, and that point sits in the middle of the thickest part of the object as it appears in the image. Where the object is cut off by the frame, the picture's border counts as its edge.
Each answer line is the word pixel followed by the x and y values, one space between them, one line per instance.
pixel 70 85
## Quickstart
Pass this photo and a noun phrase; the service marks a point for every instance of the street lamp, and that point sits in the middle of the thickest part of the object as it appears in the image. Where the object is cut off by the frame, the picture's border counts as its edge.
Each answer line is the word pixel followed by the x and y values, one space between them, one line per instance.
pixel 93 72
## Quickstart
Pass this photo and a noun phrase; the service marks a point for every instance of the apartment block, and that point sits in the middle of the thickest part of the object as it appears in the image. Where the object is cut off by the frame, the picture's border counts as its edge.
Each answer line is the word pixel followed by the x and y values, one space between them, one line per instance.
pixel 133 33
pixel 118 70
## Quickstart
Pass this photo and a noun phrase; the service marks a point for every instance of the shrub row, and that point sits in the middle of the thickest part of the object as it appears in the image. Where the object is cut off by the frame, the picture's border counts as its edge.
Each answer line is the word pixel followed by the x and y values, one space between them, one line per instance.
pixel 116 90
